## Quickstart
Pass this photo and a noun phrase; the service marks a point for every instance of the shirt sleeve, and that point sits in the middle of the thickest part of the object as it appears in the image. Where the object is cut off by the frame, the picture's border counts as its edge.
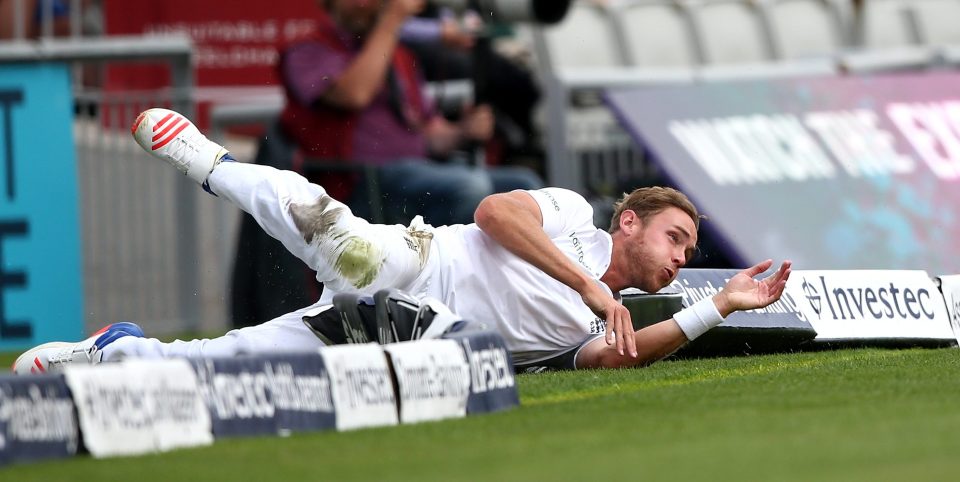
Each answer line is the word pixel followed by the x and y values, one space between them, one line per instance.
pixel 310 69
pixel 420 30
pixel 563 211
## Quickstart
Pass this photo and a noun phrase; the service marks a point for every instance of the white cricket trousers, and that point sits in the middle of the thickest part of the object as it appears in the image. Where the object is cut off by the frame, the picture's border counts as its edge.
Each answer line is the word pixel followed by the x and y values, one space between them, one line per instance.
pixel 348 253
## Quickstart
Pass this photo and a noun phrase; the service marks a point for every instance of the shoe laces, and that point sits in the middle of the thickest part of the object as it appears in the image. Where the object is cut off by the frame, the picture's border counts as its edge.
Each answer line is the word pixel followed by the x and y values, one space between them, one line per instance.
pixel 185 144
pixel 69 355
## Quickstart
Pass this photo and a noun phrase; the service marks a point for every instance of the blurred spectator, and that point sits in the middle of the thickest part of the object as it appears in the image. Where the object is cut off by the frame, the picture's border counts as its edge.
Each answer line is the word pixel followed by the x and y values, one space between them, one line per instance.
pixel 32 13
pixel 450 48
pixel 355 96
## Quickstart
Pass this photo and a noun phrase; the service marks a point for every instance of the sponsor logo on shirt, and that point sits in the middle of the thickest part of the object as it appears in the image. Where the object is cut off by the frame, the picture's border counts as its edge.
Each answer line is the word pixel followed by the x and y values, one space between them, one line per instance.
pixel 578 247
pixel 553 200
pixel 598 326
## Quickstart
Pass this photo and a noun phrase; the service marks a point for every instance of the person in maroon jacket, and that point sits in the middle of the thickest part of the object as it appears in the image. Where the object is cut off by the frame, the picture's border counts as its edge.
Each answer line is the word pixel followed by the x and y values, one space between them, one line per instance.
pixel 355 95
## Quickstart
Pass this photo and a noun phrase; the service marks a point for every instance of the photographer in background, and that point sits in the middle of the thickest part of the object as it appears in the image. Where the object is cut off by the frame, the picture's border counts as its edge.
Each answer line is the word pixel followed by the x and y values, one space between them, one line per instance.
pixel 449 48
pixel 354 95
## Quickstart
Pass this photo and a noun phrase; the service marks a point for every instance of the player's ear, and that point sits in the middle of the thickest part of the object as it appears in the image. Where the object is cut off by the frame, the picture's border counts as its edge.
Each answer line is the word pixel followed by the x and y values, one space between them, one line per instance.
pixel 629 221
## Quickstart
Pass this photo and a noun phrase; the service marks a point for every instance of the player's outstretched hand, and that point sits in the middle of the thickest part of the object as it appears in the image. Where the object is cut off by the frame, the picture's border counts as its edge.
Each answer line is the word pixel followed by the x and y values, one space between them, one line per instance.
pixel 743 292
pixel 617 316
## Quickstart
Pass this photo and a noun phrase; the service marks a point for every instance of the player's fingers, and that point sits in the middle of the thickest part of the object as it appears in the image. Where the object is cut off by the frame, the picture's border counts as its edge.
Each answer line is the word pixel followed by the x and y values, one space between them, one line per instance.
pixel 758 268
pixel 628 333
pixel 780 282
pixel 609 336
pixel 780 287
pixel 621 343
pixel 781 272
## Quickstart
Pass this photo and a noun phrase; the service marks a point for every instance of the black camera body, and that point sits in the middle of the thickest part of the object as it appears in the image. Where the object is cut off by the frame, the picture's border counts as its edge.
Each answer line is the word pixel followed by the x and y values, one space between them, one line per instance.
pixel 534 11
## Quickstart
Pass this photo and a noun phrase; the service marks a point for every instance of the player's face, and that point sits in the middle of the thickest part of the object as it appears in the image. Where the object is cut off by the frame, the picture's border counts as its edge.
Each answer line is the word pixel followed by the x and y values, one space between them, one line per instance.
pixel 662 246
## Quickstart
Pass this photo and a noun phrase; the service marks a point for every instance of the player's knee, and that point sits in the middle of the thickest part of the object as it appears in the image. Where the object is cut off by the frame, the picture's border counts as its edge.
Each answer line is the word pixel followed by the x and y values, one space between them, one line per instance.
pixel 358 260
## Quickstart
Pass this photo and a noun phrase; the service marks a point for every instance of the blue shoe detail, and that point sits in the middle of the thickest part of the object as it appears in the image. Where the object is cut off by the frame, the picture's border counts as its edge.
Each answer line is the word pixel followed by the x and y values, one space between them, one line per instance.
pixel 117 331
pixel 206 184
pixel 206 187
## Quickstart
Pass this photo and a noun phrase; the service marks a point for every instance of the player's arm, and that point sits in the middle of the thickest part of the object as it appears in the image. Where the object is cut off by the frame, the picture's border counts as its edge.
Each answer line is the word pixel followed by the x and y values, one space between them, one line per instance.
pixel 653 343
pixel 514 220
pixel 656 341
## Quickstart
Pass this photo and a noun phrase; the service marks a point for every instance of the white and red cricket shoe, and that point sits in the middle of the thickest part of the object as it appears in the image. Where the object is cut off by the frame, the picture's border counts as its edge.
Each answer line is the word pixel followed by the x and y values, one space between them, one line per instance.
pixel 170 136
pixel 51 357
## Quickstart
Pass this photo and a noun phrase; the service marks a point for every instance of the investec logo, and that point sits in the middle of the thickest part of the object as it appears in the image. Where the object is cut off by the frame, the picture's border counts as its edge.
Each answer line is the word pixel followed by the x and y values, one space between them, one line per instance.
pixel 867 302
pixel 489 367
pixel 365 386
pixel 259 394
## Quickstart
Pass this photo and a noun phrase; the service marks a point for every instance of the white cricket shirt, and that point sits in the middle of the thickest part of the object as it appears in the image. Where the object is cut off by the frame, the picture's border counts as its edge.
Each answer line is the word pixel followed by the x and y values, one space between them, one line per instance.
pixel 538 316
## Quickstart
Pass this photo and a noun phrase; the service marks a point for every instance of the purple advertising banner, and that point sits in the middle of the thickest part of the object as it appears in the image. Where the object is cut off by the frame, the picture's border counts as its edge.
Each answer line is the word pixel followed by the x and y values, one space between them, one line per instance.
pixel 833 172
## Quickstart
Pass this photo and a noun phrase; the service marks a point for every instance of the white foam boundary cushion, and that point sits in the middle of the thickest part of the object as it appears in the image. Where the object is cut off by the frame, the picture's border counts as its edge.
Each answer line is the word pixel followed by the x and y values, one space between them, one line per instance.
pixel 950 287
pixel 139 406
pixel 861 304
pixel 433 379
pixel 361 385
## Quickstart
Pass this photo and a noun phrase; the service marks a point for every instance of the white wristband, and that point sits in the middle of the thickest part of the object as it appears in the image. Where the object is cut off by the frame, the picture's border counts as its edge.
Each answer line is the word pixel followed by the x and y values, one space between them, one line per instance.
pixel 698 318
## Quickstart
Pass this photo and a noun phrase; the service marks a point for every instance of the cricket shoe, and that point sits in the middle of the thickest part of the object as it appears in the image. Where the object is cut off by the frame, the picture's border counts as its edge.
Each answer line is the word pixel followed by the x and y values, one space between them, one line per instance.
pixel 170 136
pixel 53 356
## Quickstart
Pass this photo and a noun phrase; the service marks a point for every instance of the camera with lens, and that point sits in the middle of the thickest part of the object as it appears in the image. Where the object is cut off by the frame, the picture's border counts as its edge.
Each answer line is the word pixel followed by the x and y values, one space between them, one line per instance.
pixel 534 11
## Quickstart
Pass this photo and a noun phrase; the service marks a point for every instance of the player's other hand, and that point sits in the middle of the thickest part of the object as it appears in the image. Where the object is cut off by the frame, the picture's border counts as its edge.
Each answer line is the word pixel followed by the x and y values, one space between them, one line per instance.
pixel 743 292
pixel 619 324
pixel 477 123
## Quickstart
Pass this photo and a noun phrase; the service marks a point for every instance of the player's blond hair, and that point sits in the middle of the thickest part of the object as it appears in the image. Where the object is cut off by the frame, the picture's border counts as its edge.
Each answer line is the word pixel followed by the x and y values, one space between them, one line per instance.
pixel 647 202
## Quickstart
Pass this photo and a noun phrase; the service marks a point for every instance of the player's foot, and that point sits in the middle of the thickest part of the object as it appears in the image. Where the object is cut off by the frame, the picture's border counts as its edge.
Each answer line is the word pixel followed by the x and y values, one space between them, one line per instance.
pixel 172 137
pixel 53 356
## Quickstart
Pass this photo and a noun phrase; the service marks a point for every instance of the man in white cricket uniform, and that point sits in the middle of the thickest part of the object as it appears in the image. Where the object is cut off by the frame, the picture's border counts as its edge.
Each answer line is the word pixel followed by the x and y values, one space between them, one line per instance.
pixel 533 266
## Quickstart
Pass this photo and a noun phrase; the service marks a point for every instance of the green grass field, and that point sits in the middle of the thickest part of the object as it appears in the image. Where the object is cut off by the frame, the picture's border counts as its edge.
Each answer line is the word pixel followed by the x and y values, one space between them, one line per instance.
pixel 837 415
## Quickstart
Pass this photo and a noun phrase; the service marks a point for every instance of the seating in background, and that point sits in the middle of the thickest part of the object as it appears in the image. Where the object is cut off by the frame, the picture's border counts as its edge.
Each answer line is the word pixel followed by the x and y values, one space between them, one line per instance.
pixel 882 24
pixel 886 37
pixel 807 29
pixel 656 33
pixel 730 31
pixel 934 21
pixel 585 38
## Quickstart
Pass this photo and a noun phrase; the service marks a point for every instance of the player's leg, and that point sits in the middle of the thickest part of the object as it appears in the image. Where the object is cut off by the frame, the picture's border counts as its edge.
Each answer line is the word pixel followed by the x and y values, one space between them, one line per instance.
pixel 348 253
pixel 284 334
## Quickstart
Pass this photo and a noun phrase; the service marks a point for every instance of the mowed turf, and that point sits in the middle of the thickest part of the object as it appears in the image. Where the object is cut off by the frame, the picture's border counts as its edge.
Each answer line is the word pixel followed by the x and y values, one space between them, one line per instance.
pixel 837 415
